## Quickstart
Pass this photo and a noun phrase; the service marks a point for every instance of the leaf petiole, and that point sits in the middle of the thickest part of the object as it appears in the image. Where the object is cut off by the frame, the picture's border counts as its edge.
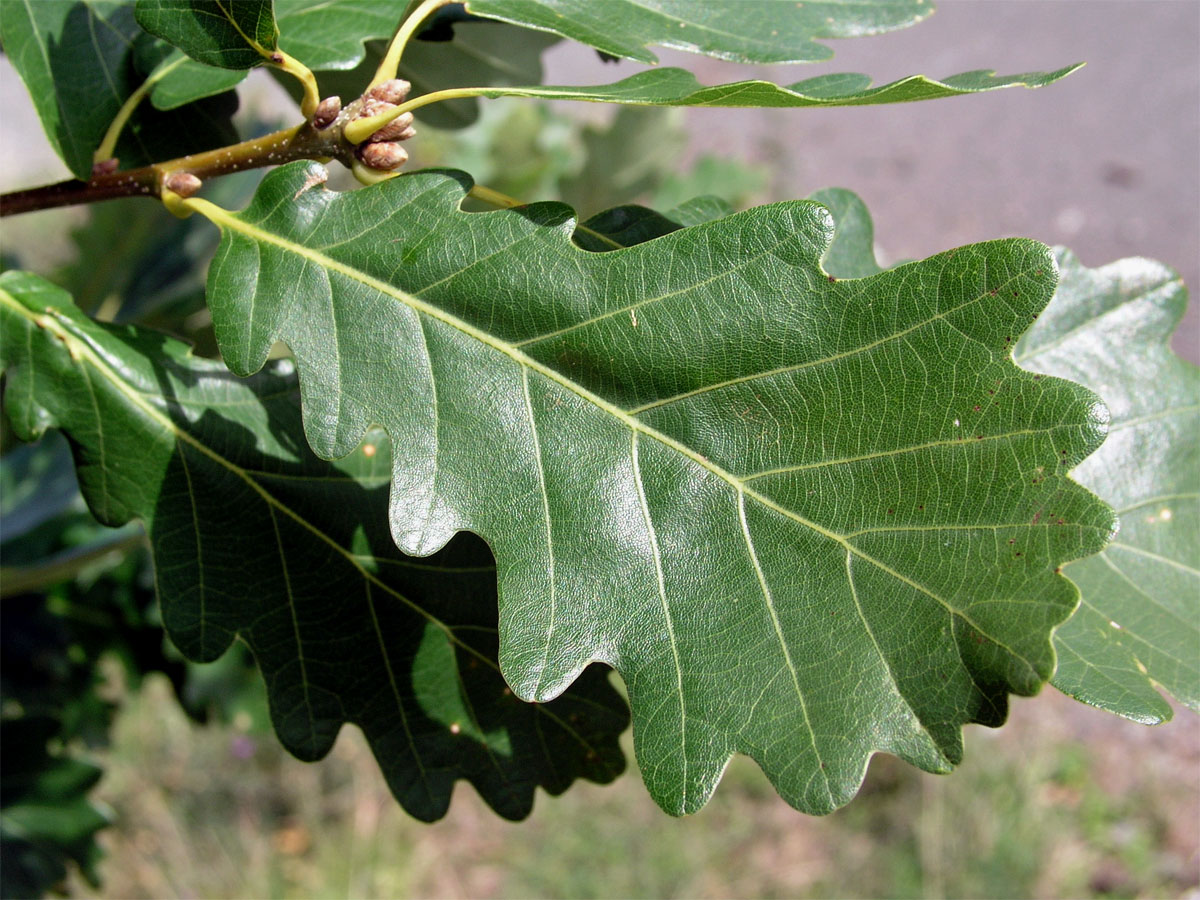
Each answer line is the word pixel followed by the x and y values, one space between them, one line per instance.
pixel 108 145
pixel 302 73
pixel 359 130
pixel 391 60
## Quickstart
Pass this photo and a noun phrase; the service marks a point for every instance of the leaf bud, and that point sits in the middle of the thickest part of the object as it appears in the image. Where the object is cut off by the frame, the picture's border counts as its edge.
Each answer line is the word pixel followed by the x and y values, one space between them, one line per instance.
pixel 392 91
pixel 399 129
pixel 327 110
pixel 183 183
pixel 372 107
pixel 384 156
pixel 105 166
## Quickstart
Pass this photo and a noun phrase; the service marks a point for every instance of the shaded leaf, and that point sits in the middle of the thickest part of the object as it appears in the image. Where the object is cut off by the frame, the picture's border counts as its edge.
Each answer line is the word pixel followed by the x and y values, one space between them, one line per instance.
pixel 794 512
pixel 742 31
pixel 46 819
pixel 322 35
pixel 77 60
pixel 1139 621
pixel 679 87
pixel 253 537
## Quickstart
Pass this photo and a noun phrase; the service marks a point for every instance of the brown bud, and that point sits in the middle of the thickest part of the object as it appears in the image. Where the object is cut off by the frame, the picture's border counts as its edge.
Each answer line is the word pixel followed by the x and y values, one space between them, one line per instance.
pixel 392 91
pixel 399 129
pixel 371 107
pixel 183 183
pixel 327 110
pixel 383 156
pixel 105 167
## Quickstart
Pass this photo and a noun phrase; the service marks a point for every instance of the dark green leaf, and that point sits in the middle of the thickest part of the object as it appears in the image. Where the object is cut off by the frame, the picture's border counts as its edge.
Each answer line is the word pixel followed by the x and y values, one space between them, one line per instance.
pixel 794 512
pixel 78 61
pixel 254 537
pixel 679 87
pixel 741 31
pixel 228 34
pixel 324 36
pixel 46 820
pixel 1139 622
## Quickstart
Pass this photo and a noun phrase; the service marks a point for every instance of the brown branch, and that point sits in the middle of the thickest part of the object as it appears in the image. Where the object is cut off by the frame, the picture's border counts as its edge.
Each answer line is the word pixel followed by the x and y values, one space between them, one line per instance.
pixel 302 141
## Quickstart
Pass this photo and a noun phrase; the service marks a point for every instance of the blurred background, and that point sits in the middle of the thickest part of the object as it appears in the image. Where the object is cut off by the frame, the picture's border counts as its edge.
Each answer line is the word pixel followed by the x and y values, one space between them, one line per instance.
pixel 1064 801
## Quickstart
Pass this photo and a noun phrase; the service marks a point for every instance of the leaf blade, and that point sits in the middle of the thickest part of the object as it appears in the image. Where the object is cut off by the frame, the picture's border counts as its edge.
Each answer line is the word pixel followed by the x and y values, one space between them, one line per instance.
pixel 344 628
pixel 749 31
pixel 227 34
pixel 679 87
pixel 626 371
pixel 1109 327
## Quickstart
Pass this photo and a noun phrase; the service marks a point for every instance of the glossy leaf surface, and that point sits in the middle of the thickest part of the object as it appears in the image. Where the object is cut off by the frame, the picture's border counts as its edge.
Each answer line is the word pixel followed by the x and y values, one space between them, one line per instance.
pixel 255 538
pixel 78 62
pixel 228 34
pixel 679 87
pixel 1139 621
pixel 796 513
pixel 741 31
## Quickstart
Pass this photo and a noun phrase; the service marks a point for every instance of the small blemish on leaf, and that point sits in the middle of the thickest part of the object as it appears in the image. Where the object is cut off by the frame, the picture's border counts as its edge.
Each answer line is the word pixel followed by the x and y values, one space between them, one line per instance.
pixel 455 728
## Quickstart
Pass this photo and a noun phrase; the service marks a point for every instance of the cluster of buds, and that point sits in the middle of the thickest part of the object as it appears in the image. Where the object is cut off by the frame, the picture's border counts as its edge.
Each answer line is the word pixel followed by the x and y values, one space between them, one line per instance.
pixel 382 149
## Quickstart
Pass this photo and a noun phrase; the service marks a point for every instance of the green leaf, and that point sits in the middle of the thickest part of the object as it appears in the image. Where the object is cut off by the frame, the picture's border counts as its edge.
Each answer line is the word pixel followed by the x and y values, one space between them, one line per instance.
pixel 77 60
pixel 228 34
pixel 852 252
pixel 480 53
pixel 46 820
pixel 794 512
pixel 1139 622
pixel 253 537
pixel 322 35
pixel 679 87
pixel 743 31
pixel 345 43
pixel 182 80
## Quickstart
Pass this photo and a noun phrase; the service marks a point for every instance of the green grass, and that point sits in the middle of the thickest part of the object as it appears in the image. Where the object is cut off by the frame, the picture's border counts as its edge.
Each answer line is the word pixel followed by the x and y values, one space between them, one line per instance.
pixel 1032 813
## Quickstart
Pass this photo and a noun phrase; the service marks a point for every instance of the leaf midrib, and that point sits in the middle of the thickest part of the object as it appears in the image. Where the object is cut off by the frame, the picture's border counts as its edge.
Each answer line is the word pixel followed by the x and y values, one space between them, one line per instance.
pixel 81 345
pixel 223 219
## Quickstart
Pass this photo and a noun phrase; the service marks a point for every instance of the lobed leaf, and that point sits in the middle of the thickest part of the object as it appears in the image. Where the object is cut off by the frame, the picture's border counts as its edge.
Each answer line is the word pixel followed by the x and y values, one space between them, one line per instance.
pixel 805 518
pixel 228 34
pixel 254 538
pixel 1109 328
pixel 763 31
pixel 1138 625
pixel 679 87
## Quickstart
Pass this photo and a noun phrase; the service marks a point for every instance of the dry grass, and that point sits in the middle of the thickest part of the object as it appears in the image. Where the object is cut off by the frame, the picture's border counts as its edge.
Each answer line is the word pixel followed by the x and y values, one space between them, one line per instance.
pixel 1063 802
